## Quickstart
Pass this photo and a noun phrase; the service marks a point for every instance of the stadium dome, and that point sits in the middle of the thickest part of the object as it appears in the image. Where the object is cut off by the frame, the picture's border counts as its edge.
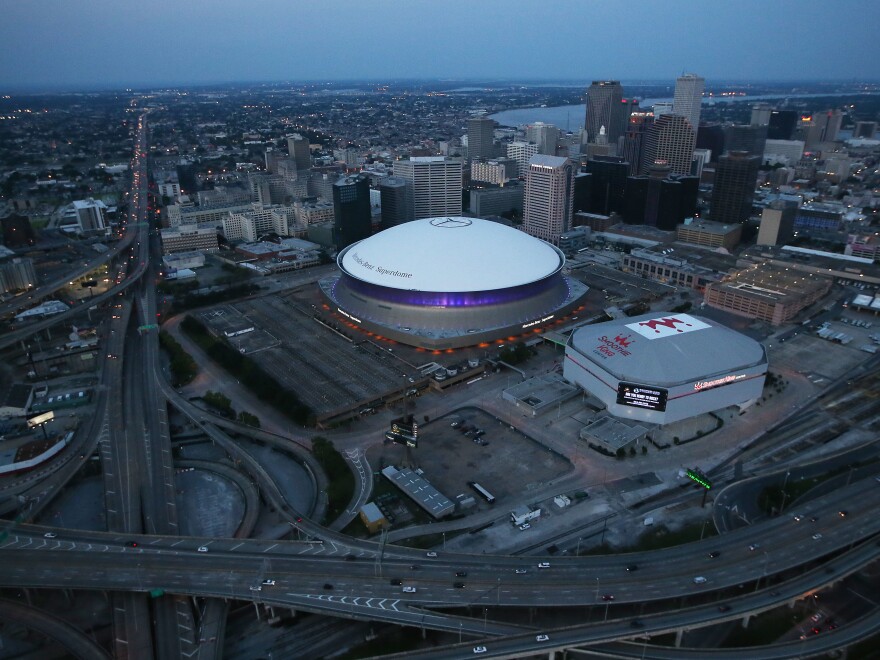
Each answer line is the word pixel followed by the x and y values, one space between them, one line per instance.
pixel 451 281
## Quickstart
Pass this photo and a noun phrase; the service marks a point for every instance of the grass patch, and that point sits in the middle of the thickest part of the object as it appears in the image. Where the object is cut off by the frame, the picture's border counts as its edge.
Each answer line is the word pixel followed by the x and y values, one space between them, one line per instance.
pixel 341 487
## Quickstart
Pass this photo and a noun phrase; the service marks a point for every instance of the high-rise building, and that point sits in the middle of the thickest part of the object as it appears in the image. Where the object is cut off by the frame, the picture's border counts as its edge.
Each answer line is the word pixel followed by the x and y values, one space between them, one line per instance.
pixel 670 140
pixel 782 124
pixel 352 215
pixel 17 274
pixel 633 140
pixel 298 148
pixel 607 184
pixel 711 137
pixel 548 198
pixel 777 222
pixel 659 200
pixel 481 138
pixel 435 185
pixel 742 137
pixel 689 98
pixel 604 108
pixel 522 153
pixel 734 187
pixel 829 125
pixel 90 216
pixel 761 114
pixel 865 129
pixel 662 108
pixel 544 135
pixel 394 198
pixel 497 171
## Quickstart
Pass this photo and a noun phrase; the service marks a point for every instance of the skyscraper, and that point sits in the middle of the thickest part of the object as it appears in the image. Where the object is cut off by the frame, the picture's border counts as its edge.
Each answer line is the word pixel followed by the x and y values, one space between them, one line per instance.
pixel 777 222
pixel 670 140
pixel 522 153
pixel 298 148
pixel 607 185
pixel 604 101
pixel 544 135
pixel 352 217
pixel 481 138
pixel 734 187
pixel 548 200
pixel 761 114
pixel 782 123
pixel 633 139
pixel 743 137
pixel 435 185
pixel 689 98
pixel 394 197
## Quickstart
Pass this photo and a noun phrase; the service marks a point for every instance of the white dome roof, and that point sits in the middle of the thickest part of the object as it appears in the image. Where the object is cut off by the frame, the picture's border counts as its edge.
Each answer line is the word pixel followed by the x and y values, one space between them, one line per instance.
pixel 451 255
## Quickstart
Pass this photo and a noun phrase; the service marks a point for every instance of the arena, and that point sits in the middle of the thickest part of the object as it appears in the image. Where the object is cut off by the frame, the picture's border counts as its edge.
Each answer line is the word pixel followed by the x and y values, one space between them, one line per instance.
pixel 661 369
pixel 442 283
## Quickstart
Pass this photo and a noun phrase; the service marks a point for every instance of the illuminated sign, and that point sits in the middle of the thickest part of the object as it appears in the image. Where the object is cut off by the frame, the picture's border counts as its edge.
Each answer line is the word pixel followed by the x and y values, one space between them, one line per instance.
pixel 642 396
pixel 700 478
pixel 344 313
pixel 717 382
pixel 667 326
pixel 538 321
pixel 399 426
pixel 399 439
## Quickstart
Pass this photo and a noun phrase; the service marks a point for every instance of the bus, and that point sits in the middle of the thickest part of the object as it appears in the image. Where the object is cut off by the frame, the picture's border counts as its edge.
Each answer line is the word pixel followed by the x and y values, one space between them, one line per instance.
pixel 482 492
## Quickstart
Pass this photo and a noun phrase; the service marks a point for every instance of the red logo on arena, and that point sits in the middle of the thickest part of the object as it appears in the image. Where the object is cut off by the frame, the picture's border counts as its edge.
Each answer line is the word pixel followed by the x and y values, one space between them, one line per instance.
pixel 623 341
pixel 668 322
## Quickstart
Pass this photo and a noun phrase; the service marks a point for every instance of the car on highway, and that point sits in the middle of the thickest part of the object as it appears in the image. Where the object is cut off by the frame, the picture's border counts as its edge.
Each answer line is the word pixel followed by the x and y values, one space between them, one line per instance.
pixel 724 608
pixel 430 553
pixel 396 582
pixel 409 590
pixel 479 649
pixel 814 518
pixel 798 517
pixel 632 567
pixel 754 546
pixel 131 544
pixel 458 585
pixel 50 535
pixel 699 580
pixel 542 638
pixel 203 548
pixel 256 587
pixel 714 554
pixel 414 567
pixel 460 573
pixel 817 536
pixel 841 513
pixel 520 571
pixel 544 564
pixel 328 586
pixel 607 597
pixel 269 583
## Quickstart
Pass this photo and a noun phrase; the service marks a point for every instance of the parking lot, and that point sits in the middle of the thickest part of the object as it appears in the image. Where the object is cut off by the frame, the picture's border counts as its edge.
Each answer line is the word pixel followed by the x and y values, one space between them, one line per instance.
pixel 326 371
pixel 502 460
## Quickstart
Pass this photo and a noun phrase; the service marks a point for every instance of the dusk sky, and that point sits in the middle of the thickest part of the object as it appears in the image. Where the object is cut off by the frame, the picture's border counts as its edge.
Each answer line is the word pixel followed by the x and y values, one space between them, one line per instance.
pixel 73 44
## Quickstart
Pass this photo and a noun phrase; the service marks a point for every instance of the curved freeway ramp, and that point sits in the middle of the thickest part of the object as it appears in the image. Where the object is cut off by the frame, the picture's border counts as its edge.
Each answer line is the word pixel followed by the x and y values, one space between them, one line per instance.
pixel 77 643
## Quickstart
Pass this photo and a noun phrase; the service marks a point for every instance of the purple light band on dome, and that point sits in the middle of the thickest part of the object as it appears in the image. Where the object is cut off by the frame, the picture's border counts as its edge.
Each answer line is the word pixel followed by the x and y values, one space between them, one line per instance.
pixel 451 299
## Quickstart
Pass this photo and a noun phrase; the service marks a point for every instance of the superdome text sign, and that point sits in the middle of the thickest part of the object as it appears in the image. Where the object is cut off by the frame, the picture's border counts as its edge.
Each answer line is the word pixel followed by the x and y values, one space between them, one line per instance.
pixel 667 326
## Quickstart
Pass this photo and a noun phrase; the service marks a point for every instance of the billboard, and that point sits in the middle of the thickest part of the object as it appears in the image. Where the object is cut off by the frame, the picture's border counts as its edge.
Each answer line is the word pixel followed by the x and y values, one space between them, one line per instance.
pixel 405 426
pixel 402 439
pixel 42 418
pixel 642 396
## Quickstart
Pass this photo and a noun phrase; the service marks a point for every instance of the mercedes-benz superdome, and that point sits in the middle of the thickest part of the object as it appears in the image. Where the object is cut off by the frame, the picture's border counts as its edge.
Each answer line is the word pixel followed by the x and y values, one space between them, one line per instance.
pixel 449 282
pixel 662 368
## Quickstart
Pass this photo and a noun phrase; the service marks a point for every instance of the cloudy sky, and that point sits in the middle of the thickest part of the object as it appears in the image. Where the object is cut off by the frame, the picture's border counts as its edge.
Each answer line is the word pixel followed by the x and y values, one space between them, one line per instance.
pixel 75 44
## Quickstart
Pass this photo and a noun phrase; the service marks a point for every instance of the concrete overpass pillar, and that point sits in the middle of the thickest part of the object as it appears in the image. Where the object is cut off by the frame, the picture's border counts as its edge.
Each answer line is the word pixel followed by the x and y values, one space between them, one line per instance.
pixel 551 655
pixel 746 619
pixel 678 636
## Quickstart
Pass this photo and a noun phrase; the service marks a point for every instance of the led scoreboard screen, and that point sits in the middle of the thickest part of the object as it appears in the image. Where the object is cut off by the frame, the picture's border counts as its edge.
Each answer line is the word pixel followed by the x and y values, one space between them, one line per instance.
pixel 642 396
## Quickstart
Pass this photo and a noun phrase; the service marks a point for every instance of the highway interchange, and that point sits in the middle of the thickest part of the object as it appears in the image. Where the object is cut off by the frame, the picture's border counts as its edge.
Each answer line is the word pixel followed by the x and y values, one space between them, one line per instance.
pixel 343 577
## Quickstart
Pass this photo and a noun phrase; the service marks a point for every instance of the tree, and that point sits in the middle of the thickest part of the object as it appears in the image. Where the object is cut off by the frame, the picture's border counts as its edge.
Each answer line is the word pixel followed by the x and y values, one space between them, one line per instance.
pixel 249 419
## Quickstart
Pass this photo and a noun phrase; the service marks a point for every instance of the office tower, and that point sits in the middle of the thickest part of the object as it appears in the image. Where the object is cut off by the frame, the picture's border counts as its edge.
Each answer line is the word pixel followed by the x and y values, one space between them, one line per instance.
pixel 435 185
pixel 17 274
pixel 782 124
pixel 481 138
pixel 700 161
pixel 548 197
pixel 689 98
pixel 498 171
pixel 761 114
pixel 522 153
pixel 90 216
pixel 352 215
pixel 734 187
pixel 604 99
pixel 273 156
pixel 662 108
pixel 394 197
pixel 497 200
pixel 582 192
pixel 633 139
pixel 669 139
pixel 742 137
pixel 865 129
pixel 809 131
pixel 777 222
pixel 299 151
pixel 607 184
pixel 711 137
pixel 828 125
pixel 659 199
pixel 544 135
